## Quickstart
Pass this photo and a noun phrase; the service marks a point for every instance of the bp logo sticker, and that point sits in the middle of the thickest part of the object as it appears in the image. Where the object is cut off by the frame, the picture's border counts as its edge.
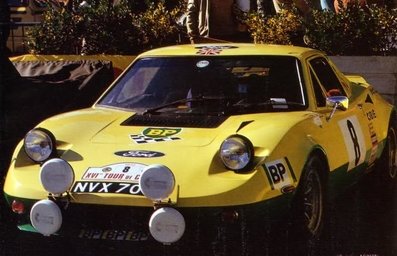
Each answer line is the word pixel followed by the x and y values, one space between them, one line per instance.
pixel 160 132
pixel 280 174
pixel 151 135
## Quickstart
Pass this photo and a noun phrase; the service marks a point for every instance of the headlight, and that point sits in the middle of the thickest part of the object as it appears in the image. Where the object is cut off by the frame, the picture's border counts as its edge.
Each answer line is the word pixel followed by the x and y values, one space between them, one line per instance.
pixel 237 153
pixel 39 144
pixel 157 182
pixel 56 176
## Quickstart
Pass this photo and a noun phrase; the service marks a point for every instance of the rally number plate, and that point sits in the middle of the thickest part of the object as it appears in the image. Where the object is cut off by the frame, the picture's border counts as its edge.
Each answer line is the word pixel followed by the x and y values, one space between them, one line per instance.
pixel 119 235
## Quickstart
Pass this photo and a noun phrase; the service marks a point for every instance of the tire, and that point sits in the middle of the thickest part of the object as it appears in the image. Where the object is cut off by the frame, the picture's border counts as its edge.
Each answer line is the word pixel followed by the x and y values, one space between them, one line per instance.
pixel 387 164
pixel 309 209
pixel 389 155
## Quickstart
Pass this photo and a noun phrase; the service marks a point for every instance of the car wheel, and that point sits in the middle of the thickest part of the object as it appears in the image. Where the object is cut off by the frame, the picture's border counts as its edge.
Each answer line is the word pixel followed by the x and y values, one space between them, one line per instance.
pixel 309 208
pixel 387 165
pixel 390 154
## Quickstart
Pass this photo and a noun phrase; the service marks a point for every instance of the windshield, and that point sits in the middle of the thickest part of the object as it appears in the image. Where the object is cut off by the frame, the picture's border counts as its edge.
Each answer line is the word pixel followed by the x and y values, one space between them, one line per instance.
pixel 205 85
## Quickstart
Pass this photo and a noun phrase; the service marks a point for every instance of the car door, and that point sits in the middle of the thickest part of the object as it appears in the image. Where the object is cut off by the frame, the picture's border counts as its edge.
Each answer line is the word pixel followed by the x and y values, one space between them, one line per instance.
pixel 345 133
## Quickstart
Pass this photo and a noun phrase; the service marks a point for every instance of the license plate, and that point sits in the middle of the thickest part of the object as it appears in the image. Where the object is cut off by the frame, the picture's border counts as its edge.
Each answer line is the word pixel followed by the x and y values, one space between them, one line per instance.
pixel 118 235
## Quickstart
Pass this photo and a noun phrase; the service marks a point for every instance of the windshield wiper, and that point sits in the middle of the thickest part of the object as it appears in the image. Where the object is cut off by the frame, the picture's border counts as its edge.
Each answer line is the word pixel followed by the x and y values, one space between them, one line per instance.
pixel 199 98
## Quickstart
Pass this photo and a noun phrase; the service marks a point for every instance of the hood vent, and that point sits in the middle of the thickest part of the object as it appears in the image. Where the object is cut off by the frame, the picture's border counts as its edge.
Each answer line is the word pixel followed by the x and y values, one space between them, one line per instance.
pixel 175 121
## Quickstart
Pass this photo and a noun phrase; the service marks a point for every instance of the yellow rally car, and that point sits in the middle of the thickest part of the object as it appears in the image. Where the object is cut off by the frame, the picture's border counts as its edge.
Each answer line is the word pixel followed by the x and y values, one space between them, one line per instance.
pixel 208 146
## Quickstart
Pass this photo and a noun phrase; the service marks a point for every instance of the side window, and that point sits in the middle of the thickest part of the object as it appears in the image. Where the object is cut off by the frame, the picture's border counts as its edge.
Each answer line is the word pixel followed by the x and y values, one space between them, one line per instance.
pixel 318 91
pixel 327 77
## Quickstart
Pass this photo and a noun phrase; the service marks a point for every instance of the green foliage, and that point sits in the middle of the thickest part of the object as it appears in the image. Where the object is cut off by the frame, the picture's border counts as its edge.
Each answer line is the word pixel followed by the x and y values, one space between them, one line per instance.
pixel 324 32
pixel 158 24
pixel 139 6
pixel 281 28
pixel 355 30
pixel 110 29
pixel 136 25
pixel 58 33
pixel 106 28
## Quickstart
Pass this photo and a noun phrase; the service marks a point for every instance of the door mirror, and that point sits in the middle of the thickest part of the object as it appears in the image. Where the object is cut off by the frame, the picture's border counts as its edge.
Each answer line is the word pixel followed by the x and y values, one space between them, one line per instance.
pixel 337 102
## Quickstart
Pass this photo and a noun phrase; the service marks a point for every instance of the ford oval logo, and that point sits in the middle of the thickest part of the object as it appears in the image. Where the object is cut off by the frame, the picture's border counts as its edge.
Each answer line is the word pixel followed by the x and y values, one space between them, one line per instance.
pixel 139 153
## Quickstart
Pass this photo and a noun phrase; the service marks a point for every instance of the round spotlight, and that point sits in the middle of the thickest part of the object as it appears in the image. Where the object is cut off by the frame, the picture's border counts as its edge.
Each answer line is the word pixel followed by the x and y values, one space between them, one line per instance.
pixel 46 217
pixel 39 144
pixel 167 225
pixel 157 182
pixel 56 176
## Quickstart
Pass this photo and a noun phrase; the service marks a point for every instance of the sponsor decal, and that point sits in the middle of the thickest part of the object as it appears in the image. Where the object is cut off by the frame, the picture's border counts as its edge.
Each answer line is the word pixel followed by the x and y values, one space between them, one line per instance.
pixel 354 141
pixel 212 50
pixel 160 132
pixel 153 135
pixel 375 143
pixel 107 169
pixel 248 71
pixel 280 174
pixel 280 103
pixel 122 172
pixel 119 235
pixel 139 153
pixel 202 63
pixel 107 187
pixel 371 115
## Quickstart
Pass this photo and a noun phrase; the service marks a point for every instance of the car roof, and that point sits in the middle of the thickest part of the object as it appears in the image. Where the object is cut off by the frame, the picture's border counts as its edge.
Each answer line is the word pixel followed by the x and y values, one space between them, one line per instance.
pixel 230 49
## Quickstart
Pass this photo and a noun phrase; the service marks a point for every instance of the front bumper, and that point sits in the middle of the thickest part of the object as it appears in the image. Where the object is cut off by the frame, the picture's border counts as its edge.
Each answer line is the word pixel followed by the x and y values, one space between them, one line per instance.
pixel 125 223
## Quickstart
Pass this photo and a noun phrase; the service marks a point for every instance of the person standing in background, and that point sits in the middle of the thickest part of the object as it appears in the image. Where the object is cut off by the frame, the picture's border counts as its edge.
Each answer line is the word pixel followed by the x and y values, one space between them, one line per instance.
pixel 5 27
pixel 216 20
pixel 327 5
pixel 346 2
pixel 210 20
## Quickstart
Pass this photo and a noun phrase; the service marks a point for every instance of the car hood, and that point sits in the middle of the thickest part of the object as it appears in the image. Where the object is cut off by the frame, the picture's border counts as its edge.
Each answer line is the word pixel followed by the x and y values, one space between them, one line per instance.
pixel 113 127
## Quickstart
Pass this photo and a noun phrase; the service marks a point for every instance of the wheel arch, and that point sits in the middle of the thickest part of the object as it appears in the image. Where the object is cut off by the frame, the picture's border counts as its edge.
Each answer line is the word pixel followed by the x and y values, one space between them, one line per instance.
pixel 317 151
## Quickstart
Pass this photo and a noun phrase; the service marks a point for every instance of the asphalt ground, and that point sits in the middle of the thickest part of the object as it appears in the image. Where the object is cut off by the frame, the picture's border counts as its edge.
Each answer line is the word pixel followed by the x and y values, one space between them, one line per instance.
pixel 364 223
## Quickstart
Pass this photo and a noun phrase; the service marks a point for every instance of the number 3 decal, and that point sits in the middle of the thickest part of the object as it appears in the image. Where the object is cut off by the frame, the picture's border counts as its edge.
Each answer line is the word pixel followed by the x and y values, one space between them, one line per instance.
pixel 354 141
